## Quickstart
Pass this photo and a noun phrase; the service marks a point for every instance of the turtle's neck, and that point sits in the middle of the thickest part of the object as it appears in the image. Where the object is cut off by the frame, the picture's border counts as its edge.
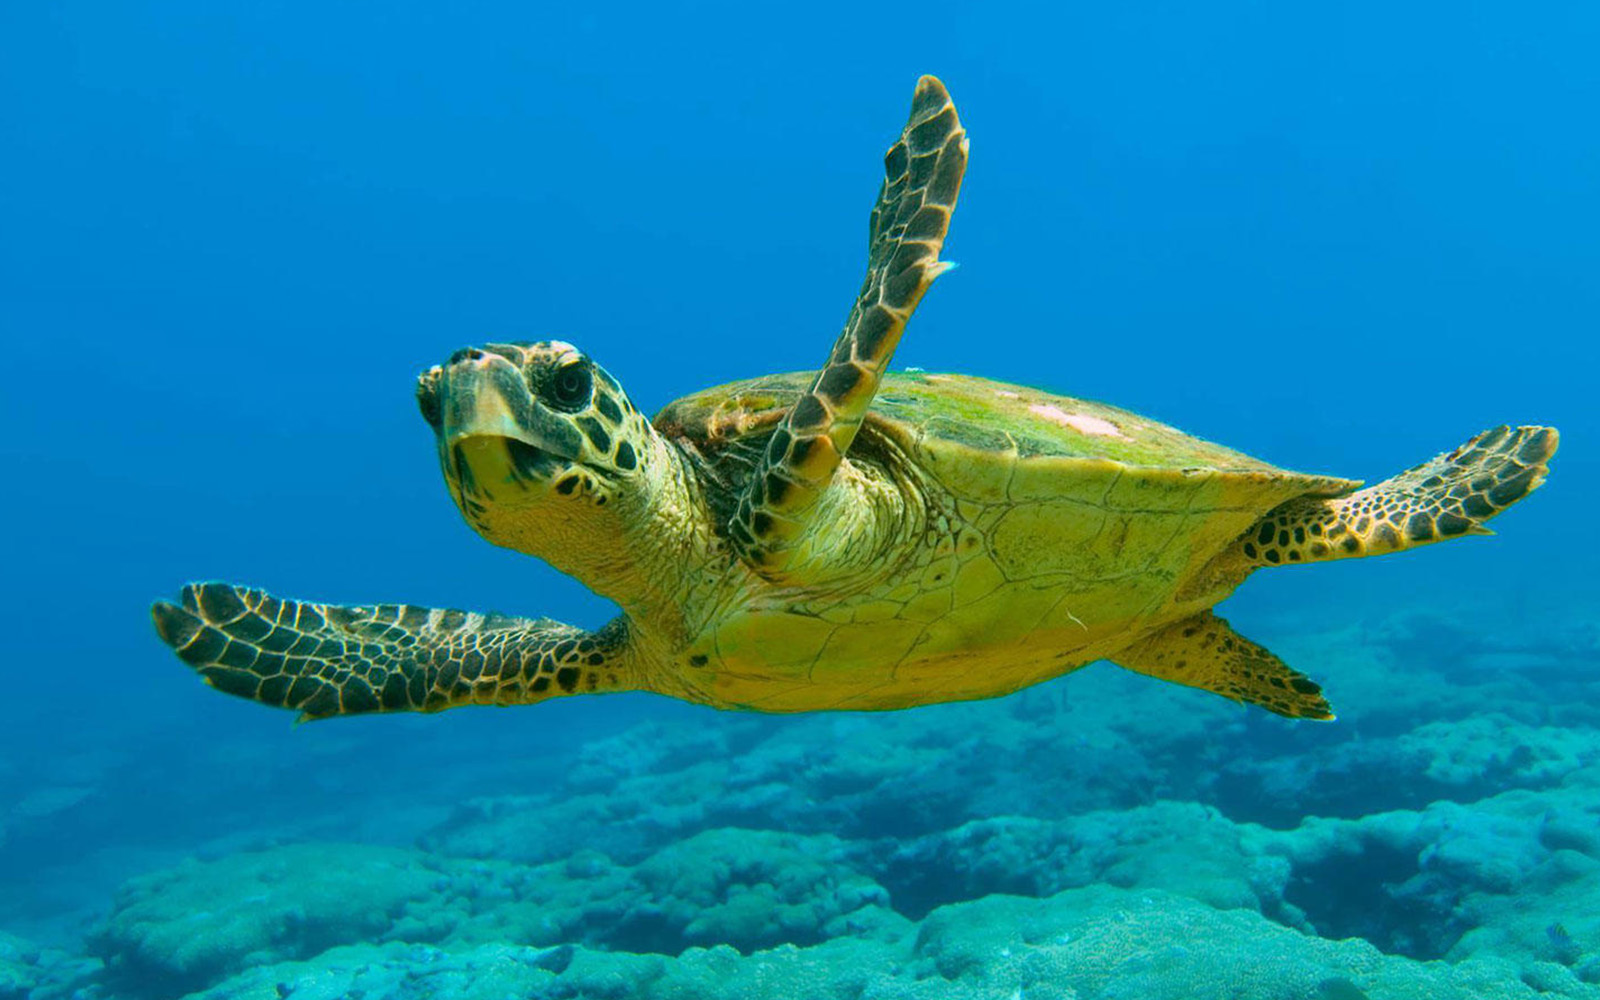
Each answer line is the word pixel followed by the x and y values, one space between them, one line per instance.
pixel 652 549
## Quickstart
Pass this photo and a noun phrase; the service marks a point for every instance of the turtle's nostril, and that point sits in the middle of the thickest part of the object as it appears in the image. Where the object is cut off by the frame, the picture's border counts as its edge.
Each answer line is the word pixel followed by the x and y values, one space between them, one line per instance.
pixel 466 354
pixel 428 397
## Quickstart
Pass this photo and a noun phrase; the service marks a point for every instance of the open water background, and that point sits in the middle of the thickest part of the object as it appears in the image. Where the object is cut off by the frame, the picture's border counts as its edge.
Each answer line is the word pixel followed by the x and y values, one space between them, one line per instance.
pixel 1342 240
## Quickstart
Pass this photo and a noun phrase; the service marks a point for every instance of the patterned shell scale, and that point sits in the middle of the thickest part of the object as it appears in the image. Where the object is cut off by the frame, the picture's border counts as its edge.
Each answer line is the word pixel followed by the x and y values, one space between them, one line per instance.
pixel 973 428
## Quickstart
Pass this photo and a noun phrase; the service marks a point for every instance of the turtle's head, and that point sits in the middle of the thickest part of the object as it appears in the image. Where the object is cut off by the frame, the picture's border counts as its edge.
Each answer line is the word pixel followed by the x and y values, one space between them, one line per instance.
pixel 541 449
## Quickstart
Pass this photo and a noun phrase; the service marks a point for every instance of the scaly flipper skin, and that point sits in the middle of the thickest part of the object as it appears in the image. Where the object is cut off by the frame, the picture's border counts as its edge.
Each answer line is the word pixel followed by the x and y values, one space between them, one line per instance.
pixel 1451 495
pixel 327 660
pixel 1205 652
pixel 923 173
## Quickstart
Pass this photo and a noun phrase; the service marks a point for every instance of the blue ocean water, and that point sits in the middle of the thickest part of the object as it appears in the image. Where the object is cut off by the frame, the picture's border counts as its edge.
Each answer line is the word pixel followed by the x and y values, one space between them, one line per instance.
pixel 1342 240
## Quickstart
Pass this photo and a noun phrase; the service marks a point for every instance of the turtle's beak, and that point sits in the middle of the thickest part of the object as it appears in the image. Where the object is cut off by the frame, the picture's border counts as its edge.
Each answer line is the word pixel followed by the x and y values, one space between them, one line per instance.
pixel 491 430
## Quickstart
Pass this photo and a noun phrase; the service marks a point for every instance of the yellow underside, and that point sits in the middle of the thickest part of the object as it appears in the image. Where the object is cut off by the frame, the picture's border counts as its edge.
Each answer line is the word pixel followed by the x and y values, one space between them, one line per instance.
pixel 1007 588
pixel 873 669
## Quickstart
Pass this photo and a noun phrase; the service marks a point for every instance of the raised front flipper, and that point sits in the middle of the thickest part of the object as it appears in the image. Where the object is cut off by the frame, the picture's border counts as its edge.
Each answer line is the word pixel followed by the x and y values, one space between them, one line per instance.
pixel 922 177
pixel 1205 652
pixel 325 659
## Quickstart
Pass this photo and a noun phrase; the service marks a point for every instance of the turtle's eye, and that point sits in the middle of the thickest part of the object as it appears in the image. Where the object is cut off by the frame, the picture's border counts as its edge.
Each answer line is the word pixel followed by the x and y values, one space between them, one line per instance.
pixel 570 387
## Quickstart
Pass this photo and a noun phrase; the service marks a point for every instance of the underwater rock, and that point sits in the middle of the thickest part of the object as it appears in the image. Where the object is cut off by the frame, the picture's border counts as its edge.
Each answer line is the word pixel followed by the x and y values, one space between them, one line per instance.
pixel 31 972
pixel 401 972
pixel 1096 943
pixel 1115 944
pixel 1542 648
pixel 20 968
pixel 188 926
pixel 1562 926
pixel 197 923
pixel 579 900
pixel 1514 875
pixel 1380 689
pixel 1462 761
pixel 1184 848
pixel 748 889
pixel 1551 911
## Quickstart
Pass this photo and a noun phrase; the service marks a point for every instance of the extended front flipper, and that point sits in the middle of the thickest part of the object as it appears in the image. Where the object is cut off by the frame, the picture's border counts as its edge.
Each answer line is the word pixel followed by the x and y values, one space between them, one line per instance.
pixel 1205 652
pixel 325 660
pixel 922 177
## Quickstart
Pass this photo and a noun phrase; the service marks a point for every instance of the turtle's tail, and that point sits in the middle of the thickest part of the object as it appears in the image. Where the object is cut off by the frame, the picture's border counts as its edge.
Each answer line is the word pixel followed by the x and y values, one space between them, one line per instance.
pixel 1454 494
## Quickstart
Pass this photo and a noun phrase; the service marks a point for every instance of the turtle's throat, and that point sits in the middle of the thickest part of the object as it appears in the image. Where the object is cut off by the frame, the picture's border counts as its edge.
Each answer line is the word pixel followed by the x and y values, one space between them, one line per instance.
pixel 645 546
pixel 666 544
pixel 637 540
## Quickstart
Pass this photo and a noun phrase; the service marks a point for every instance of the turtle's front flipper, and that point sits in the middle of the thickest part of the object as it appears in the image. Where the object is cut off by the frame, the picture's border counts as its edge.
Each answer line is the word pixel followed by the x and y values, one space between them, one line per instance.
pixel 324 659
pixel 1205 652
pixel 1450 496
pixel 922 177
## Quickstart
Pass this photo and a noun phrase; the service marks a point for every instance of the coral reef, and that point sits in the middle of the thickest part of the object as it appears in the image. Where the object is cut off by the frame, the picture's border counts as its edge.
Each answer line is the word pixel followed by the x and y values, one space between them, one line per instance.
pixel 198 922
pixel 1101 837
pixel 1097 942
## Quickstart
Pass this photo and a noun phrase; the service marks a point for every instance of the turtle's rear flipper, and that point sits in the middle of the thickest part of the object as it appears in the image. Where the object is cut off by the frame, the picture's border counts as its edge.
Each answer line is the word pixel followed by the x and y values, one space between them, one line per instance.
pixel 327 659
pixel 1449 496
pixel 1205 652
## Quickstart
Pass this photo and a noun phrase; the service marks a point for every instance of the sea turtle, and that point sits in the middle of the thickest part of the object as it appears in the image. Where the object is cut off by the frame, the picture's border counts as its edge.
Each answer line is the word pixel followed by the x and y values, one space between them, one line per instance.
pixel 848 539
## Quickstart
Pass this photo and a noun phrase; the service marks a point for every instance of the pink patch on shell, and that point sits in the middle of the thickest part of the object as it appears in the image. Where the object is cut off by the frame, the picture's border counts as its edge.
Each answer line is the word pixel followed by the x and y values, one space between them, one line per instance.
pixel 1081 422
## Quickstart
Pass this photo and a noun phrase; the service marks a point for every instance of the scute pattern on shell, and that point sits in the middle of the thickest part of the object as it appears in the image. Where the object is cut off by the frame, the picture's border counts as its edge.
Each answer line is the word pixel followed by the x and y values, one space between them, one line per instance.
pixel 984 424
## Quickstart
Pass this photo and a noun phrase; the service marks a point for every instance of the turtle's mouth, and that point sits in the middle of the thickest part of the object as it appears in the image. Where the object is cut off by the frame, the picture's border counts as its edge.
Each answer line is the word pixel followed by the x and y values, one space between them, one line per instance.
pixel 486 464
pixel 492 432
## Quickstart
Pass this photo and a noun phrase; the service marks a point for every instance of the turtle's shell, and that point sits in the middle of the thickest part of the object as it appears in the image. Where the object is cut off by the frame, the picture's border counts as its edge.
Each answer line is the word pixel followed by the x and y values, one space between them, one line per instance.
pixel 1055 532
pixel 975 434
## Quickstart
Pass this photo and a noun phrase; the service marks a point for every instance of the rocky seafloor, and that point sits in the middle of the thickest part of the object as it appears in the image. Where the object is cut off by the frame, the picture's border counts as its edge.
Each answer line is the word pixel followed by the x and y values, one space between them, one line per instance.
pixel 1104 836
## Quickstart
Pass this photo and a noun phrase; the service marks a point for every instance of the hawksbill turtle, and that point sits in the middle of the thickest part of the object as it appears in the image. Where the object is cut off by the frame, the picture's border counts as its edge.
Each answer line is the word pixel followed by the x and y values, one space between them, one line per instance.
pixel 852 538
